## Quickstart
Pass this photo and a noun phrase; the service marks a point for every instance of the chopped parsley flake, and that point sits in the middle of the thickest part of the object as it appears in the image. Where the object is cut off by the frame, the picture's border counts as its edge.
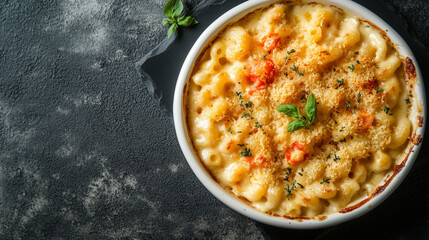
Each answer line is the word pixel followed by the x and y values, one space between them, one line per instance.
pixel 264 57
pixel 300 185
pixel 386 110
pixel 348 105
pixel 229 130
pixel 245 152
pixel 248 105
pixel 352 67
pixel 301 73
pixel 294 68
pixel 336 158
pixel 287 173
pixel 342 128
pixel 329 156
pixel 302 172
pixel 289 189
pixel 325 180
pixel 288 53
pixel 359 95
pixel 357 61
pixel 245 114
pixel 357 52
pixel 407 101
pixel 340 83
pixel 239 95
pixel 258 125
pixel 379 90
pixel 241 144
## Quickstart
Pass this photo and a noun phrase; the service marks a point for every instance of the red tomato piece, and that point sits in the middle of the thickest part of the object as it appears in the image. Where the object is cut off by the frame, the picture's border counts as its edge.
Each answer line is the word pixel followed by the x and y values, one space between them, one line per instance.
pixel 270 42
pixel 262 73
pixel 296 154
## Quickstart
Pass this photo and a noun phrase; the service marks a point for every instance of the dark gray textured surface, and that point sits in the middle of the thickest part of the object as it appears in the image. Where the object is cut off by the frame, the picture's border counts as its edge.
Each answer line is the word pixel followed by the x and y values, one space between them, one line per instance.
pixel 85 152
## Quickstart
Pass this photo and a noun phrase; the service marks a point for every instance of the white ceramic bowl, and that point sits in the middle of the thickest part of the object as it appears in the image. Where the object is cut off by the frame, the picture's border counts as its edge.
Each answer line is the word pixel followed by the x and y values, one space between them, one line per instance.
pixel 227 198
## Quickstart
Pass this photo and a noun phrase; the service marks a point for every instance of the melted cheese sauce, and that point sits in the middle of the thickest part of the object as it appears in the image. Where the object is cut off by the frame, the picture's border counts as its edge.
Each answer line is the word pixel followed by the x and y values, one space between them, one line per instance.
pixel 279 55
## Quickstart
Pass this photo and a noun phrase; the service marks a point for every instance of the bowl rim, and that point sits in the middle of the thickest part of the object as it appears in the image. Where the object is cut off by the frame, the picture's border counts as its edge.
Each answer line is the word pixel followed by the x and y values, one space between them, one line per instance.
pixel 232 201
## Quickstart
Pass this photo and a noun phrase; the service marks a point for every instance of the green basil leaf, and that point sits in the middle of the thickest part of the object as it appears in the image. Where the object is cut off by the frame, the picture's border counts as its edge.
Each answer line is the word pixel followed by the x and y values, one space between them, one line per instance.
pixel 311 108
pixel 296 125
pixel 172 29
pixel 187 21
pixel 173 8
pixel 165 21
pixel 290 110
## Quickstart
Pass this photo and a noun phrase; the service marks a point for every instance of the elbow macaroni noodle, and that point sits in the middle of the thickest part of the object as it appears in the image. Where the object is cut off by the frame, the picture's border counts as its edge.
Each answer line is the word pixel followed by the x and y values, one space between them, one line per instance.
pixel 278 55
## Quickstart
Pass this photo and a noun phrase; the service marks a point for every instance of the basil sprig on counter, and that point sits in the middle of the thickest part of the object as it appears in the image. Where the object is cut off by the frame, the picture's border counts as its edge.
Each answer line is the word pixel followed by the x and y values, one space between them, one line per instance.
pixel 291 110
pixel 172 10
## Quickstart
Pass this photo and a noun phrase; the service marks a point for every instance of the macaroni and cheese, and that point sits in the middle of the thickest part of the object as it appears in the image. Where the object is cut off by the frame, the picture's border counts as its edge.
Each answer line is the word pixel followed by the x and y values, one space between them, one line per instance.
pixel 282 55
